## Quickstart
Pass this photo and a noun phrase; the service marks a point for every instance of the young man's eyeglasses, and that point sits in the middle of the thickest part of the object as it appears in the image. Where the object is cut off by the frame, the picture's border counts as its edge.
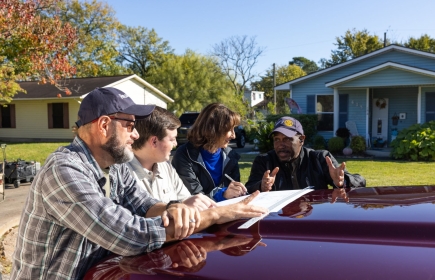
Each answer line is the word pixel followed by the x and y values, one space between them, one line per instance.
pixel 130 124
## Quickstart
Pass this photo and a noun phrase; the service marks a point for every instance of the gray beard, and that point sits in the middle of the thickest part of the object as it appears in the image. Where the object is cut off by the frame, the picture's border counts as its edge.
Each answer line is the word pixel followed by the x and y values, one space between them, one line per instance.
pixel 119 153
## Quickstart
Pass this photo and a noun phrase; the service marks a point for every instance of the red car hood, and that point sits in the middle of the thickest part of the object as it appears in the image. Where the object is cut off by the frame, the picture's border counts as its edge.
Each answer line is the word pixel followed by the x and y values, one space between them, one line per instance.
pixel 381 233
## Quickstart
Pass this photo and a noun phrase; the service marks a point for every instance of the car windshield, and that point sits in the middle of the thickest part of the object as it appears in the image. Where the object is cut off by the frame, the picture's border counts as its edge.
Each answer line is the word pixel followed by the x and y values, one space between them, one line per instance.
pixel 188 118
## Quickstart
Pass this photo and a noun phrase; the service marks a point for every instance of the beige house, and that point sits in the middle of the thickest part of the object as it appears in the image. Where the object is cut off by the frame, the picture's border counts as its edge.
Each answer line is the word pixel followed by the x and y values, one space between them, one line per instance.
pixel 40 116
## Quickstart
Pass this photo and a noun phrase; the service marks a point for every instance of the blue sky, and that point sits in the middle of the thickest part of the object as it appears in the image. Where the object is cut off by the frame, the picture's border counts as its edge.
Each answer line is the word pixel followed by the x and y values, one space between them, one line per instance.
pixel 285 28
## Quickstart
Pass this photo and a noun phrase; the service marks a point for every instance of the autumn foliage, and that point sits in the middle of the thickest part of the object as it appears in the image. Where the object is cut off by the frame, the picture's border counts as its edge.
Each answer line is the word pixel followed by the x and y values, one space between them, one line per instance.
pixel 33 45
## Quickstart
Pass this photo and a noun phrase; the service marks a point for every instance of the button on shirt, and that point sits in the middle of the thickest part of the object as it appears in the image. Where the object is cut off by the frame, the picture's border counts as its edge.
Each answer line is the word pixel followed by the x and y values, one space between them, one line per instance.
pixel 163 182
pixel 68 224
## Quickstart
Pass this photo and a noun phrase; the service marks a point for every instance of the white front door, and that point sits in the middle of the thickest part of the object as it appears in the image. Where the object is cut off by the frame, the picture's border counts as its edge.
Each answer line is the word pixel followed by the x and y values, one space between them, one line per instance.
pixel 380 118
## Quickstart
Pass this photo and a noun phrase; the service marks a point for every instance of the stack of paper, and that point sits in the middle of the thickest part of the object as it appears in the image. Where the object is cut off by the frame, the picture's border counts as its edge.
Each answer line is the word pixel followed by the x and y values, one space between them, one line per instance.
pixel 274 201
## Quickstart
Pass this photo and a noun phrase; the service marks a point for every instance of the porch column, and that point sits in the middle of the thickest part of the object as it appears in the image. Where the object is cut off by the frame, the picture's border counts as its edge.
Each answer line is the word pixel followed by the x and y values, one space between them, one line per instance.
pixel 419 105
pixel 336 111
pixel 368 144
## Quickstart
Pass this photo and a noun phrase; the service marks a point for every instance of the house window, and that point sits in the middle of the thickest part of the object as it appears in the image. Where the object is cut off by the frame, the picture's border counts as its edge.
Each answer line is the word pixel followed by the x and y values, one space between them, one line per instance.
pixel 325 112
pixel 7 116
pixel 253 96
pixel 58 116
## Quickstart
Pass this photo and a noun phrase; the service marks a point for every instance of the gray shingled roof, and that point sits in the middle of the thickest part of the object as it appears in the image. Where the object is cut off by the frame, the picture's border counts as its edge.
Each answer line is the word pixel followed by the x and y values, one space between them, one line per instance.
pixel 77 86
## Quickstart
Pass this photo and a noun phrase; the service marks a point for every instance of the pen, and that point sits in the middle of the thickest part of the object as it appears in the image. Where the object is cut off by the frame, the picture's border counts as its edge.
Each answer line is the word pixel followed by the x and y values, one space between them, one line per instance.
pixel 232 180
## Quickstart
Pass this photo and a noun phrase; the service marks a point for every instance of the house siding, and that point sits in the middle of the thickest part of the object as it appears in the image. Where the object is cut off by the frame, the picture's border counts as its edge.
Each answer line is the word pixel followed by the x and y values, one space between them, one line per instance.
pixel 139 94
pixel 398 85
pixel 316 85
pixel 32 124
pixel 389 77
pixel 357 108
pixel 32 113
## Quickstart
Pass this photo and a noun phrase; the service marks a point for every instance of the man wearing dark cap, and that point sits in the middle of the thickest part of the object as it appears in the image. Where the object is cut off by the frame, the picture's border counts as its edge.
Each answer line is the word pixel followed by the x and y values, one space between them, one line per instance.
pixel 291 166
pixel 84 203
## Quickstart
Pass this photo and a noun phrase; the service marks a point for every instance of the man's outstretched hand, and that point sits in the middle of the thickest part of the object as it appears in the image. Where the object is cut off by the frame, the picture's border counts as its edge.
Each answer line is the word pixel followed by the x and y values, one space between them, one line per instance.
pixel 268 179
pixel 337 173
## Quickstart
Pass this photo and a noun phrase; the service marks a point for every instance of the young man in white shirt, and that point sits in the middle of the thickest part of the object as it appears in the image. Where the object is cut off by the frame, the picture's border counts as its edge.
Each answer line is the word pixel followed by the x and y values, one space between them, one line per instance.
pixel 151 166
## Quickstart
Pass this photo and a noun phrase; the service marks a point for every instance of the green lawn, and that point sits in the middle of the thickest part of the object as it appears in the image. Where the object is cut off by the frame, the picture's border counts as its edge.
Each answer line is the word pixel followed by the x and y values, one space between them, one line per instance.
pixel 376 172
pixel 30 151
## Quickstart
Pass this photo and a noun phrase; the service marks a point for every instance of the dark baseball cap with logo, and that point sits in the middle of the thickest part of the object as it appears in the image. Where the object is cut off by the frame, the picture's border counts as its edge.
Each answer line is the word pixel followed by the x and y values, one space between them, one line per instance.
pixel 107 101
pixel 288 126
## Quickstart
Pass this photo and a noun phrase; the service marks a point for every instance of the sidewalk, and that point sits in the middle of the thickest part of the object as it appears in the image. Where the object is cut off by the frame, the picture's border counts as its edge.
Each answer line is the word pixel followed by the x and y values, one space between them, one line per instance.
pixel 10 213
pixel 11 207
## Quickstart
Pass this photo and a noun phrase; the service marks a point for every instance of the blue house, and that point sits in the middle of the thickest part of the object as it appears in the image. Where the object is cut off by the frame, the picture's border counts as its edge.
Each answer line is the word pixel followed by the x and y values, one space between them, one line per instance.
pixel 381 92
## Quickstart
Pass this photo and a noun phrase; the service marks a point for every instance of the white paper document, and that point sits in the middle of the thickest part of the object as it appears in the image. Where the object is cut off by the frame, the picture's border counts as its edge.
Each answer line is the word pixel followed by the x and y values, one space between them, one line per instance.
pixel 274 201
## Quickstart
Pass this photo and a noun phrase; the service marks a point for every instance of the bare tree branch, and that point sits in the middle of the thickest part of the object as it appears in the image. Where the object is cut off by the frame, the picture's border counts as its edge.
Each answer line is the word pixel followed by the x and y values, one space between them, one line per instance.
pixel 237 56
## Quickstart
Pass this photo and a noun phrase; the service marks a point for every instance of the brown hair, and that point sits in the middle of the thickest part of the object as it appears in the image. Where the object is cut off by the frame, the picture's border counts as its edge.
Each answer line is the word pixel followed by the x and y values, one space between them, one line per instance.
pixel 155 125
pixel 214 121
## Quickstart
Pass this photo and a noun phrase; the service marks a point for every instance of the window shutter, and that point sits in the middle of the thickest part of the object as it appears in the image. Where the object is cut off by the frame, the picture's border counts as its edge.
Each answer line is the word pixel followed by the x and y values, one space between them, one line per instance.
pixel 343 100
pixel 65 116
pixel 311 104
pixel 430 106
pixel 50 115
pixel 13 119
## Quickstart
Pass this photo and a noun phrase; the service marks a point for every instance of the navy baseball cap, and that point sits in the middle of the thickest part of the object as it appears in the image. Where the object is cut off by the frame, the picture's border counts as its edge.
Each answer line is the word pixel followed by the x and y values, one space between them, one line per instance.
pixel 107 101
pixel 288 126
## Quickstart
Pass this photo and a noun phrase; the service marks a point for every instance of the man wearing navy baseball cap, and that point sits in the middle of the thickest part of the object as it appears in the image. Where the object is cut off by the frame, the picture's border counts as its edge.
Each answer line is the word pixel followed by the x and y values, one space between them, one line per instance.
pixel 290 165
pixel 84 203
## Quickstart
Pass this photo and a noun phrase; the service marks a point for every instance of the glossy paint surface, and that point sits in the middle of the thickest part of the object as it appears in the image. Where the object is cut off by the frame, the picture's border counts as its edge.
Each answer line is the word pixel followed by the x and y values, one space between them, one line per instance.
pixel 381 233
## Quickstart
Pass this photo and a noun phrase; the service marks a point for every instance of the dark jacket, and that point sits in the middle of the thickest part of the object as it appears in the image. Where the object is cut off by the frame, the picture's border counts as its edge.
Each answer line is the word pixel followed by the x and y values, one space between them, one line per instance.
pixel 313 171
pixel 191 169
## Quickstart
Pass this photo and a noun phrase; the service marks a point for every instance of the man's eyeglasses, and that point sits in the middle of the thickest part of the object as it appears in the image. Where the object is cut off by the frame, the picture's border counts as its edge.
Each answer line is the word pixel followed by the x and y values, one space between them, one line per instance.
pixel 130 124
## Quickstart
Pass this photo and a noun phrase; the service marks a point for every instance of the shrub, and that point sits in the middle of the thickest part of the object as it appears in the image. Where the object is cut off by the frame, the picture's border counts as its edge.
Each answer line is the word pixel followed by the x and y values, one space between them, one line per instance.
pixel 358 144
pixel 251 130
pixel 335 144
pixel 265 142
pixel 343 132
pixel 416 143
pixel 319 142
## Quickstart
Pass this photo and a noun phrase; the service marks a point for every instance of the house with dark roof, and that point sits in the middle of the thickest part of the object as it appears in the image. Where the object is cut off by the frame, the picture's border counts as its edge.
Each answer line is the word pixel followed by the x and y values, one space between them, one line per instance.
pixel 40 115
pixel 379 93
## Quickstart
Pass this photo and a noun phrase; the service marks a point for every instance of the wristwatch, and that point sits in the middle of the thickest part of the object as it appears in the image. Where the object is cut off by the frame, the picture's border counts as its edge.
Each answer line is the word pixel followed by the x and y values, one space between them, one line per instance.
pixel 172 202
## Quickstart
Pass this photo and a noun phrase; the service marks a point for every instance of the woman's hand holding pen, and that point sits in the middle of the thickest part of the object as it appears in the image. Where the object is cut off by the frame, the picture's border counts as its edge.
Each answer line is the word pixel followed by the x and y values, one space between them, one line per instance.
pixel 268 180
pixel 235 189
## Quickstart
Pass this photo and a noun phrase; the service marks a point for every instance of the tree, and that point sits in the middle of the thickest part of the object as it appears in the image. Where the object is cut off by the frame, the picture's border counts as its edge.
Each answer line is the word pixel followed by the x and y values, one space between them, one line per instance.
pixel 33 46
pixel 424 43
pixel 193 81
pixel 283 74
pixel 96 26
pixel 141 49
pixel 353 44
pixel 307 65
pixel 237 56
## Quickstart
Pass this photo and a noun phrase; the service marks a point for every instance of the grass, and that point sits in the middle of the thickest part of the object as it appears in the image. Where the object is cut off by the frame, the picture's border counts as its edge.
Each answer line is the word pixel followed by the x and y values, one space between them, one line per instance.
pixel 376 172
pixel 30 151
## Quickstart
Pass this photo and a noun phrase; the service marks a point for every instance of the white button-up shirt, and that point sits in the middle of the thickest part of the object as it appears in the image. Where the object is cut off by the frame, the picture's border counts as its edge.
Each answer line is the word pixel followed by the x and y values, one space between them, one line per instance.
pixel 163 182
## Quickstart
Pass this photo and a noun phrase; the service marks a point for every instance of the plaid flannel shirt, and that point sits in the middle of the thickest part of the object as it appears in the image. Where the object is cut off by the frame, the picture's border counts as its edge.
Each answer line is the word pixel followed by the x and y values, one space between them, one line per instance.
pixel 68 224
